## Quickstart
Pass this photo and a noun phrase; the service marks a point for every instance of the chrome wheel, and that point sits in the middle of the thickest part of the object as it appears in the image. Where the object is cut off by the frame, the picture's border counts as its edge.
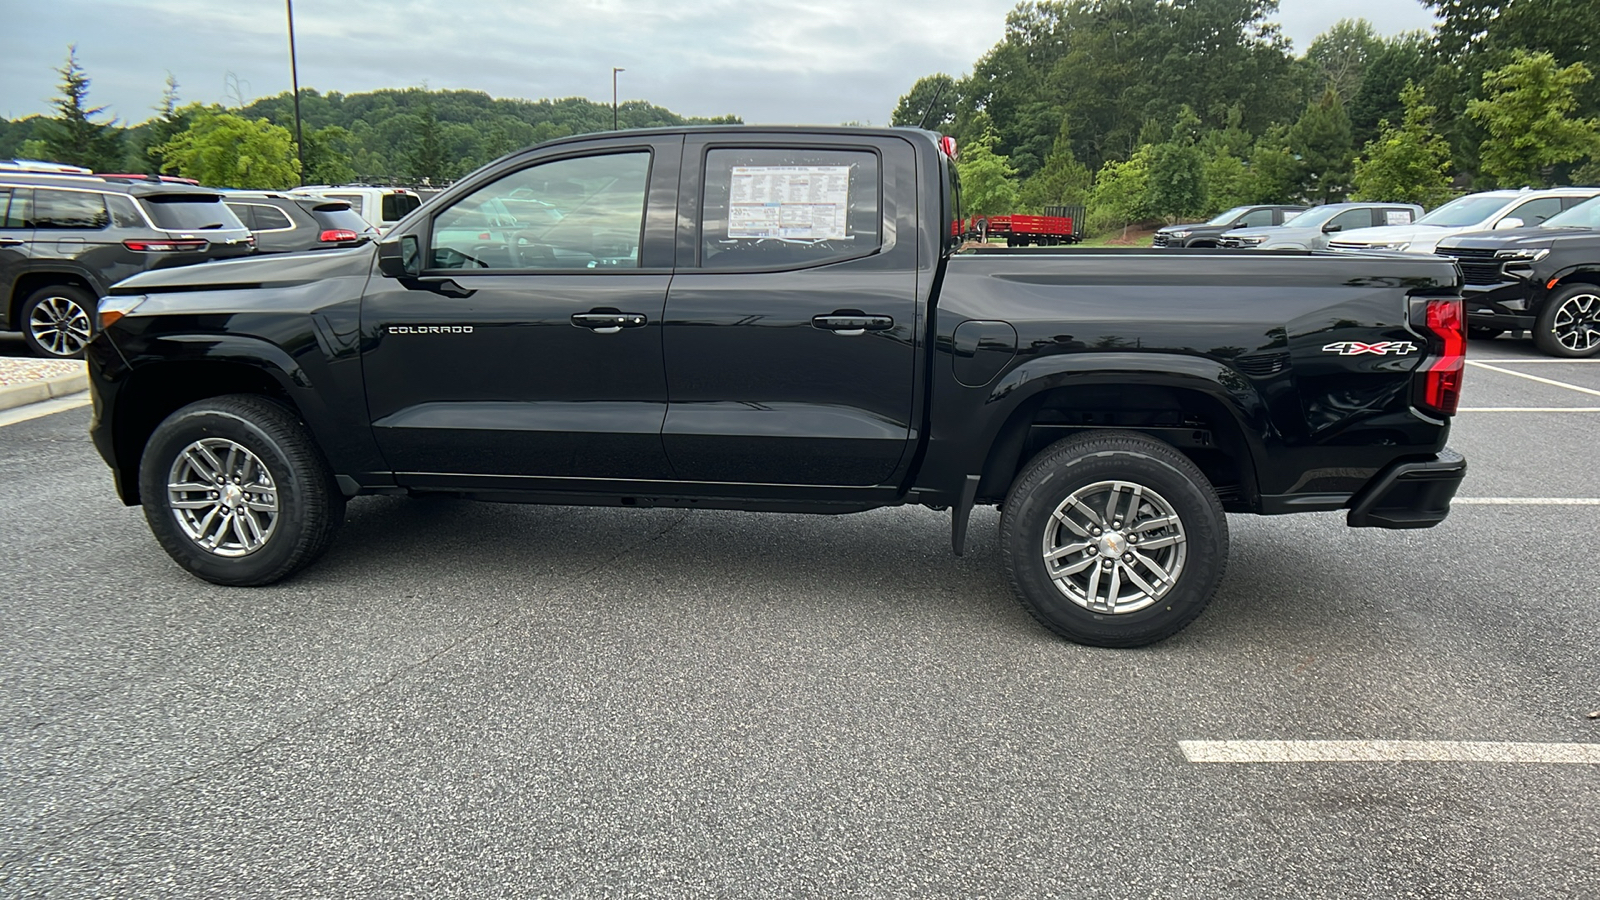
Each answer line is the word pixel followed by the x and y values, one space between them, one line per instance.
pixel 1114 547
pixel 60 325
pixel 1577 323
pixel 223 497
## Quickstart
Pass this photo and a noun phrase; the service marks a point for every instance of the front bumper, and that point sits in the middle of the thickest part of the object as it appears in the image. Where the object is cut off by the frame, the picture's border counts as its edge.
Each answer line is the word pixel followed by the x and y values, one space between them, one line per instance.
pixel 1507 306
pixel 1414 494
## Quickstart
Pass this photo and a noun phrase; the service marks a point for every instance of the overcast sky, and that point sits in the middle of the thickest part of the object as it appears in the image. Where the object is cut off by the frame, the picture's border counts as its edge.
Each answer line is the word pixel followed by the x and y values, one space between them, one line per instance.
pixel 803 61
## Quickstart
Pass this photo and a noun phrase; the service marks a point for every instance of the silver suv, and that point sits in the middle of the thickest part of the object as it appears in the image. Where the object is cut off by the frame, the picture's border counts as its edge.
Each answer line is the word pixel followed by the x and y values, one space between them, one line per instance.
pixel 1314 228
pixel 1490 210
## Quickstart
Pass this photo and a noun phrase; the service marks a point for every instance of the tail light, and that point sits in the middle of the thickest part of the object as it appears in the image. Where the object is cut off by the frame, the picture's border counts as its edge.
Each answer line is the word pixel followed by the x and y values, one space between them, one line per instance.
pixel 165 245
pixel 338 234
pixel 1441 383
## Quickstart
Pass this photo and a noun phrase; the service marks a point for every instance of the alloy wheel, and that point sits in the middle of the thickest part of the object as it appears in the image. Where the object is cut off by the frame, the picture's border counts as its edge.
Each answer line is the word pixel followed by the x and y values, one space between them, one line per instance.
pixel 60 325
pixel 223 497
pixel 1114 547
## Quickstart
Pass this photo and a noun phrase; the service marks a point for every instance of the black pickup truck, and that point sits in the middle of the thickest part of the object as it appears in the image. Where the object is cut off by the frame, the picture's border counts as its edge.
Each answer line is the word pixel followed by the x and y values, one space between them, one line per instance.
pixel 780 319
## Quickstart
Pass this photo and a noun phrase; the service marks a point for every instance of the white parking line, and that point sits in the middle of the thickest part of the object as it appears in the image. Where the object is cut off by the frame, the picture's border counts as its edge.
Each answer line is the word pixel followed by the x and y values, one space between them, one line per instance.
pixel 43 408
pixel 1550 381
pixel 1388 751
pixel 1530 409
pixel 1542 362
pixel 1527 501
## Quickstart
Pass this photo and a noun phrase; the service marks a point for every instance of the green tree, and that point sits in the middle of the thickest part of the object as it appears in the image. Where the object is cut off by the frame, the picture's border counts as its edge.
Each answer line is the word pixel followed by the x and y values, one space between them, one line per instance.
pixel 1341 54
pixel 1403 58
pixel 329 156
pixel 1120 190
pixel 168 123
pixel 1275 173
pixel 1321 139
pixel 1527 112
pixel 1063 181
pixel 74 137
pixel 988 182
pixel 221 149
pixel 1408 163
pixel 1177 182
pixel 931 102
pixel 428 162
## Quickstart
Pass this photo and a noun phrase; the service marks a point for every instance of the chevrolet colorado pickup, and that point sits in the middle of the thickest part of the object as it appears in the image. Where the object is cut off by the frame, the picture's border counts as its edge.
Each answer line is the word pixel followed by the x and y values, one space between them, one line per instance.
pixel 780 319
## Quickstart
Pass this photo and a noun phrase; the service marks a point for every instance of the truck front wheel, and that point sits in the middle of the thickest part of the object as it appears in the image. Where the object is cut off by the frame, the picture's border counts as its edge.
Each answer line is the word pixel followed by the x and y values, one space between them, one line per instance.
pixel 236 492
pixel 1113 539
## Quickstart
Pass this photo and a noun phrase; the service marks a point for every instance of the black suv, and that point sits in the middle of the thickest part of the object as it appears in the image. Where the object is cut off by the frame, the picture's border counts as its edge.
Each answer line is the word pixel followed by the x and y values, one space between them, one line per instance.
pixel 1209 234
pixel 284 223
pixel 65 239
pixel 1544 279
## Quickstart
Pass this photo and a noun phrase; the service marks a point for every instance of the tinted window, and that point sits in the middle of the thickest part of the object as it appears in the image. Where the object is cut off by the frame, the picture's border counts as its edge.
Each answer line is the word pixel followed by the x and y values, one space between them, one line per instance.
pixel 1584 215
pixel 123 213
pixel 1534 212
pixel 797 207
pixel 246 217
pixel 190 212
pixel 1352 219
pixel 6 220
pixel 1256 217
pixel 396 206
pixel 270 218
pixel 69 209
pixel 338 215
pixel 582 213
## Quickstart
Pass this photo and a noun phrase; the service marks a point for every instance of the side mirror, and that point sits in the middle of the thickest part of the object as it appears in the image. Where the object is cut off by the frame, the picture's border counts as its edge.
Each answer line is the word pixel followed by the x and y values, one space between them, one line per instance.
pixel 1508 222
pixel 400 257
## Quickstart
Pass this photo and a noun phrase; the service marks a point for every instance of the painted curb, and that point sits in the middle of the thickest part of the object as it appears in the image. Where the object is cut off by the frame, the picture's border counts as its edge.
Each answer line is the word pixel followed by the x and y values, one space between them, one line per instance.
pixel 15 395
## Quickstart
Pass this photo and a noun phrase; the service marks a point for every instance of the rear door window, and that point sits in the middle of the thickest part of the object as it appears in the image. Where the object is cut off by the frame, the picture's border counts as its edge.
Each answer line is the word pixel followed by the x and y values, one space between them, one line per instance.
pixel 123 213
pixel 789 208
pixel 190 212
pixel 85 210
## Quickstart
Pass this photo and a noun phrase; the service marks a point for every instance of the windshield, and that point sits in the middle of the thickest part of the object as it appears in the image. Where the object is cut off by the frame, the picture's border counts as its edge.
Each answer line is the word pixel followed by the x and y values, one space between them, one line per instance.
pixel 1584 215
pixel 1228 216
pixel 191 212
pixel 1463 212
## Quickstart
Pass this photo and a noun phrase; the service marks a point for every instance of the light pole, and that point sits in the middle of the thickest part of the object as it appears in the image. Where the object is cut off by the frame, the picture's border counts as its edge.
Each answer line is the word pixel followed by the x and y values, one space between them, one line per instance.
pixel 614 71
pixel 294 74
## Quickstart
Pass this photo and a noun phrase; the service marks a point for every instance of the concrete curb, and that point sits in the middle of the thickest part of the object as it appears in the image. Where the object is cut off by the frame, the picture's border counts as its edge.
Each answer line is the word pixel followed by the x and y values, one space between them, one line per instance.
pixel 15 395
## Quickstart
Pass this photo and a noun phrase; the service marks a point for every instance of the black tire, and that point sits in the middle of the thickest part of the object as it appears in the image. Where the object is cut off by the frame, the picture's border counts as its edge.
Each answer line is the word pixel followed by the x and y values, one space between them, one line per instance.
pixel 1484 332
pixel 57 321
pixel 308 505
pixel 1195 552
pixel 1568 324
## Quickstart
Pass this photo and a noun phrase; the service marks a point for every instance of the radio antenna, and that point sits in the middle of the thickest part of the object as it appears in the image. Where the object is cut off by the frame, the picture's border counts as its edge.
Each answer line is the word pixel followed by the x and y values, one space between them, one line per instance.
pixel 935 102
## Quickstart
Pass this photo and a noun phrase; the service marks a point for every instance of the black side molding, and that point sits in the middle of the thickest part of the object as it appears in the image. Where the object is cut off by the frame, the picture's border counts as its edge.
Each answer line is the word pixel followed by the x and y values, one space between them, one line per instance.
pixel 1409 494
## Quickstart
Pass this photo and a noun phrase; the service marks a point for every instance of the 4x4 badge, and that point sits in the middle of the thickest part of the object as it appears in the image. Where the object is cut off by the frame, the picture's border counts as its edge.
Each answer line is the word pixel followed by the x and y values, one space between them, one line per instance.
pixel 1382 348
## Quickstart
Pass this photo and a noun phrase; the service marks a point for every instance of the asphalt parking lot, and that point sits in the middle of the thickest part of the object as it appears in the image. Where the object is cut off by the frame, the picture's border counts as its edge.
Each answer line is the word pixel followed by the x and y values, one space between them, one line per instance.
pixel 481 700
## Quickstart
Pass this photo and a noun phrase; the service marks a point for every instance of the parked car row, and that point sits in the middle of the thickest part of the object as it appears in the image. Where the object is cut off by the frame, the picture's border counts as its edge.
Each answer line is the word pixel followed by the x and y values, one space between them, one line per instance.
pixel 67 235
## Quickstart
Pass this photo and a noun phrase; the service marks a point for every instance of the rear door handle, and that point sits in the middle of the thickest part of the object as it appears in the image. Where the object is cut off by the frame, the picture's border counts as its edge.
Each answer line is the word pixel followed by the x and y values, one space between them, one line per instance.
pixel 607 322
pixel 851 322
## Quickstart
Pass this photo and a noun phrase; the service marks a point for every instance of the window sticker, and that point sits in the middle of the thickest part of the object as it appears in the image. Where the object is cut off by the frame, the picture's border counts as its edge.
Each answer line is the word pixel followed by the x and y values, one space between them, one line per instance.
pixel 1397 217
pixel 804 203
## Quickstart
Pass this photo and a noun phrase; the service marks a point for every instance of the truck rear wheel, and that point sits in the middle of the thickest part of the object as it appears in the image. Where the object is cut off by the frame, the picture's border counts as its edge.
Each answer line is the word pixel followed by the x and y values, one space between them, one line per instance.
pixel 236 492
pixel 1113 539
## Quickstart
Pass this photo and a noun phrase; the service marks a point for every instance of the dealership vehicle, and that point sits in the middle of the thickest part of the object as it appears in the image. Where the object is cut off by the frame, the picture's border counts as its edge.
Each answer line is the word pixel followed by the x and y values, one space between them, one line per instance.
pixel 65 239
pixel 780 319
pixel 1545 280
pixel 1311 229
pixel 284 223
pixel 1210 233
pixel 380 206
pixel 1474 212
pixel 1059 225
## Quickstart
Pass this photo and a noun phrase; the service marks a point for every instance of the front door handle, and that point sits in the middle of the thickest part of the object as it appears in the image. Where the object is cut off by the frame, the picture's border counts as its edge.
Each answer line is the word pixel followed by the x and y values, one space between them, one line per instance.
pixel 10 242
pixel 849 321
pixel 602 321
pixel 446 286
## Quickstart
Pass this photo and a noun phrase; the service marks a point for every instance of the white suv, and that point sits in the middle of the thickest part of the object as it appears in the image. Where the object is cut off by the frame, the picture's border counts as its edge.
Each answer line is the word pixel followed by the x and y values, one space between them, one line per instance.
pixel 1490 210
pixel 381 206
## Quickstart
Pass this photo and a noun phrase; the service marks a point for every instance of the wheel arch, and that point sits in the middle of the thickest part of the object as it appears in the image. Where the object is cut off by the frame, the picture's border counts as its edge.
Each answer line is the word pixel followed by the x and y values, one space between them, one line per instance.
pixel 1198 406
pixel 150 393
pixel 30 281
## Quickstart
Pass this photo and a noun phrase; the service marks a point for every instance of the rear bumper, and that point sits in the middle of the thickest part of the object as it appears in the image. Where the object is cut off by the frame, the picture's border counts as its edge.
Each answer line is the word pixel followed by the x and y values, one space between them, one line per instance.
pixel 1413 494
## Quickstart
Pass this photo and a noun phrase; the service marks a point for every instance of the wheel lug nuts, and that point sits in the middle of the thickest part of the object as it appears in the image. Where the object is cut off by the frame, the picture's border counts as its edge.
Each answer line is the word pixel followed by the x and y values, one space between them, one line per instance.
pixel 1127 557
